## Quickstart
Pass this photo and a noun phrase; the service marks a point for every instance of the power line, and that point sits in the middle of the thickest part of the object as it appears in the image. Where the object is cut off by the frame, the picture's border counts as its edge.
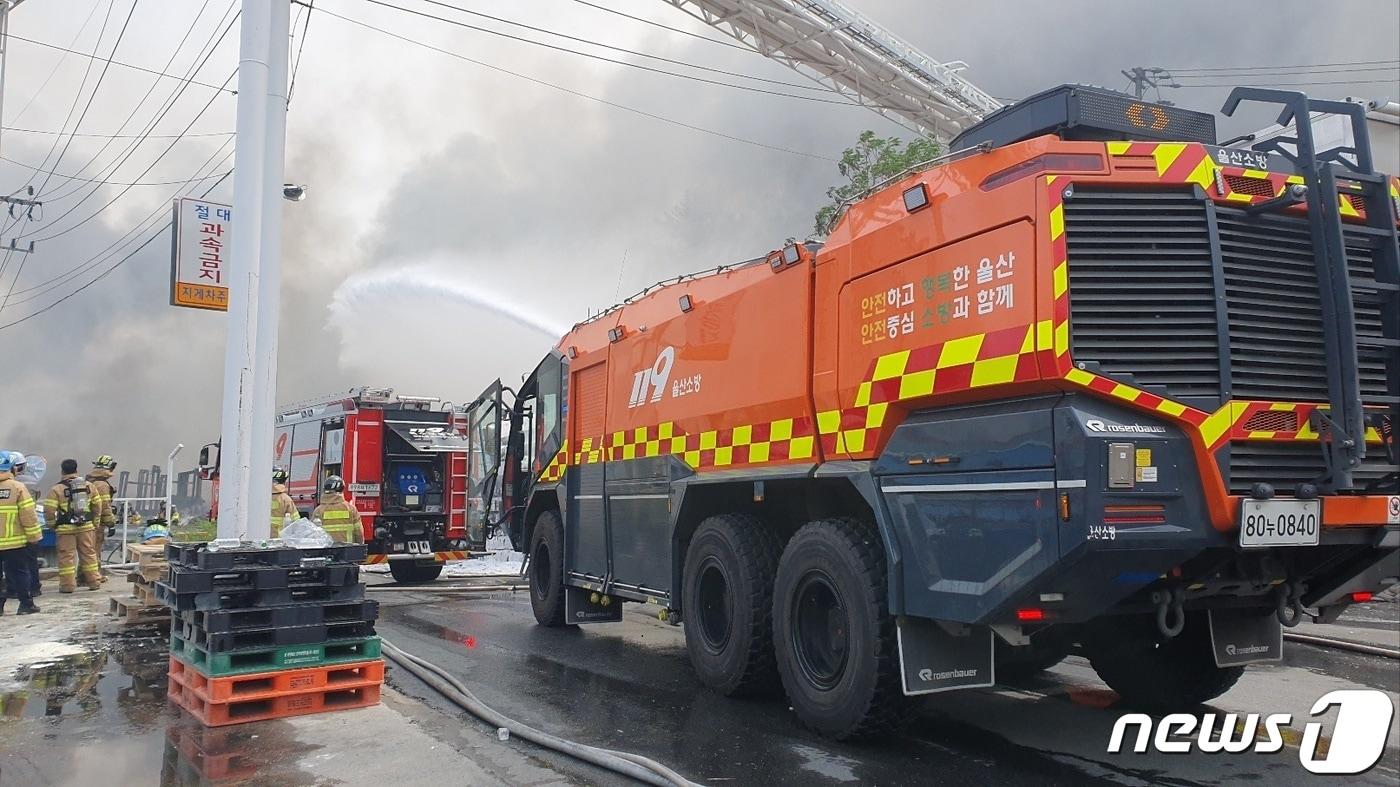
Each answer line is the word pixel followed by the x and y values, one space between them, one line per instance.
pixel 119 136
pixel 149 90
pixel 91 96
pixel 119 195
pixel 1290 73
pixel 42 85
pixel 50 284
pixel 131 149
pixel 1185 70
pixel 570 91
pixel 11 224
pixel 1296 84
pixel 97 180
pixel 591 42
pixel 645 21
pixel 115 63
pixel 639 66
pixel 301 44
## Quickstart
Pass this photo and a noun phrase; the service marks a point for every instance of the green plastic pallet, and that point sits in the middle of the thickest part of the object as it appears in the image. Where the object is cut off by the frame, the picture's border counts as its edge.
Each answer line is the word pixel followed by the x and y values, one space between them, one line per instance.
pixel 242 662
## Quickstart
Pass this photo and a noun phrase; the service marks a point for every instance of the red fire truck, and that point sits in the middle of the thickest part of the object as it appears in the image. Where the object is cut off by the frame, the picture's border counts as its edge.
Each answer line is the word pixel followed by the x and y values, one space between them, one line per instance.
pixel 405 464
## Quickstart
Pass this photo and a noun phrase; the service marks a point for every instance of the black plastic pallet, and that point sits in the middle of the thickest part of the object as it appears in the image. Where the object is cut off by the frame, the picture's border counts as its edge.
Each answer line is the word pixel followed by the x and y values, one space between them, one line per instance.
pixel 195 556
pixel 187 580
pixel 241 599
pixel 223 642
pixel 218 621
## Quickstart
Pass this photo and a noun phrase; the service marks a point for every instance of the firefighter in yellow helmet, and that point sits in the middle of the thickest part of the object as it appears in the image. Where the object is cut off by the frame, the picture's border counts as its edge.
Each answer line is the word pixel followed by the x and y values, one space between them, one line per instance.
pixel 75 506
pixel 282 504
pixel 19 527
pixel 101 478
pixel 338 517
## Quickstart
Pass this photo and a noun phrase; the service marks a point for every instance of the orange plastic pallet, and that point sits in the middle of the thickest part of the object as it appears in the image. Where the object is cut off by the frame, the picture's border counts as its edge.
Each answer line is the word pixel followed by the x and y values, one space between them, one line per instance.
pixel 262 685
pixel 218 714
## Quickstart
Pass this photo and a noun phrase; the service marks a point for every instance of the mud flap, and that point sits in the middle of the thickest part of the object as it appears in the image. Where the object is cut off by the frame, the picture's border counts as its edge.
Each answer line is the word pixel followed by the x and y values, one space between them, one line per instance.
pixel 580 608
pixel 931 659
pixel 1245 637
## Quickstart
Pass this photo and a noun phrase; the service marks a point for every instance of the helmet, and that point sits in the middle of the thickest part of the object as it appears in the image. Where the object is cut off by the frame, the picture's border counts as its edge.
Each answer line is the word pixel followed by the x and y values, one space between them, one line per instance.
pixel 17 460
pixel 280 475
pixel 105 462
pixel 7 463
pixel 333 483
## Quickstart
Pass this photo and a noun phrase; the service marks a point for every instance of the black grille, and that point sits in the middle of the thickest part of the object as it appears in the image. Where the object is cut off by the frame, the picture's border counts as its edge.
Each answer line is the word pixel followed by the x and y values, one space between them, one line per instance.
pixel 1366 301
pixel 1276 345
pixel 1142 294
pixel 1284 464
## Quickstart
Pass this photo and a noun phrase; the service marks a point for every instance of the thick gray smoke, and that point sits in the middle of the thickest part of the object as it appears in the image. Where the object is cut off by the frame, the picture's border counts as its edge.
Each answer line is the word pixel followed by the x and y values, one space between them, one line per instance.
pixel 491 184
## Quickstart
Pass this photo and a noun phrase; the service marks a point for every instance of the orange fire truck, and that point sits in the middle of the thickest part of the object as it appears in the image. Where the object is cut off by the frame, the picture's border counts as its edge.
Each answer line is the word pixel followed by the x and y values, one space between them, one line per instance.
pixel 405 464
pixel 1091 381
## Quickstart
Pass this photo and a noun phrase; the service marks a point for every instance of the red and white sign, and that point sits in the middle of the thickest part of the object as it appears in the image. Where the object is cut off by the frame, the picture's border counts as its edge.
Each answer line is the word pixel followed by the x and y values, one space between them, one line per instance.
pixel 200 254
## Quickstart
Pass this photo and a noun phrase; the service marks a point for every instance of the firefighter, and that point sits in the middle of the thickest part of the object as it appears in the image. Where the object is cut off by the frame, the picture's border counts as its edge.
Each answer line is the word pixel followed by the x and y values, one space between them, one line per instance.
pixel 75 506
pixel 19 527
pixel 338 517
pixel 101 478
pixel 31 483
pixel 282 504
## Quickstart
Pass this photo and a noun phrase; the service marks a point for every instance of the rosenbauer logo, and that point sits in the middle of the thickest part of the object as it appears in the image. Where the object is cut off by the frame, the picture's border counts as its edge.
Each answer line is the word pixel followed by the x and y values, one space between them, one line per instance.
pixel 1096 425
pixel 1356 743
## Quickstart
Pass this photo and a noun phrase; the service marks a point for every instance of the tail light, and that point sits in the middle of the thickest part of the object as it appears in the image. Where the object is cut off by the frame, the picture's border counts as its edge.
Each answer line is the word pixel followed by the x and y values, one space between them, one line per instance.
pixel 1135 515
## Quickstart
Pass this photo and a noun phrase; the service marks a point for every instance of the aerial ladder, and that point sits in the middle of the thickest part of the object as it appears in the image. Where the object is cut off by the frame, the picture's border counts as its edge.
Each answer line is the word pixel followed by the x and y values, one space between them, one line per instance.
pixel 854 56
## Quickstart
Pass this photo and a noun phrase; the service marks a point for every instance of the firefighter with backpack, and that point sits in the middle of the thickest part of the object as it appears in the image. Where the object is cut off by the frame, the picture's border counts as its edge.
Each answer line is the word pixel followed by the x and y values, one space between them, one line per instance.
pixel 75 506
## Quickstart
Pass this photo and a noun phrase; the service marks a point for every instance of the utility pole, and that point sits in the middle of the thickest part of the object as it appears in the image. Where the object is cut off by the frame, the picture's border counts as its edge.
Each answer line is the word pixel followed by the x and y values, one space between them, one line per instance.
pixel 245 488
pixel 1141 78
pixel 6 6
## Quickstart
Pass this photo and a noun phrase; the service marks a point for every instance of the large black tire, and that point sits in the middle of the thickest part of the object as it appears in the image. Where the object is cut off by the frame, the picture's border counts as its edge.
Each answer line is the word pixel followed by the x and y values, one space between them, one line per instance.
pixel 833 634
pixel 727 604
pixel 547 570
pixel 1159 675
pixel 408 572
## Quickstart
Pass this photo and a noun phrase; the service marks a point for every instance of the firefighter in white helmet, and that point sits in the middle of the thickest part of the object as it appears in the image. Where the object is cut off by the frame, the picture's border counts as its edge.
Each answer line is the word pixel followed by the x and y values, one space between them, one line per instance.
pixel 338 517
pixel 284 509
pixel 19 527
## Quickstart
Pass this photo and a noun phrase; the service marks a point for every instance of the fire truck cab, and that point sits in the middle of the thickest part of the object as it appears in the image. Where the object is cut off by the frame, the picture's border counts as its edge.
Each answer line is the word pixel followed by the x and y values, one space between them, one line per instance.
pixel 404 461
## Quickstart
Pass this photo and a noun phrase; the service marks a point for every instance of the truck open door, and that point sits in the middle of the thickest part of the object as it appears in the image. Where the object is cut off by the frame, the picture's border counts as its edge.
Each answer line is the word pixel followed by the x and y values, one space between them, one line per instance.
pixel 483 462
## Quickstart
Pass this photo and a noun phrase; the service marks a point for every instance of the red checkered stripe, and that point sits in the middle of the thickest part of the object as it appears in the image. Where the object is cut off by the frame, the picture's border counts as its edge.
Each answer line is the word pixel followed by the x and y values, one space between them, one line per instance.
pixel 994 358
pixel 779 440
pixel 1184 162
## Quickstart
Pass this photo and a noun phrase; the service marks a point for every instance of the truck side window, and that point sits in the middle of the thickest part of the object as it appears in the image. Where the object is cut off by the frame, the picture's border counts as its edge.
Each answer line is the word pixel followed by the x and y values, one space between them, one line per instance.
pixel 549 380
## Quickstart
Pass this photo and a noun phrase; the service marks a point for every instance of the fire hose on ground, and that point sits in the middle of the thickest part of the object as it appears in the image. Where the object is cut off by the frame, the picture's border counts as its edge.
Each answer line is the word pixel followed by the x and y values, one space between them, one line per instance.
pixel 635 766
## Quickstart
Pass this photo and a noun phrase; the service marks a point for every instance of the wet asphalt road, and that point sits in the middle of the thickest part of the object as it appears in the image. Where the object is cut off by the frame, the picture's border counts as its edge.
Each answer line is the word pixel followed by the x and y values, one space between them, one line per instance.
pixel 629 686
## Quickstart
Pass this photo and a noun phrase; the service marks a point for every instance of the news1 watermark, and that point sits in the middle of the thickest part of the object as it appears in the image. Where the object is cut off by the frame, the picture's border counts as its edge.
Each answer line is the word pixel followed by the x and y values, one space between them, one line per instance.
pixel 1355 745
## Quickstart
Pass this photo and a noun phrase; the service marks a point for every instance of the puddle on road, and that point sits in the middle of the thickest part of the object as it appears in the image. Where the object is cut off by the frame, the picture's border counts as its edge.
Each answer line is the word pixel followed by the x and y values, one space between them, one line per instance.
pixel 99 715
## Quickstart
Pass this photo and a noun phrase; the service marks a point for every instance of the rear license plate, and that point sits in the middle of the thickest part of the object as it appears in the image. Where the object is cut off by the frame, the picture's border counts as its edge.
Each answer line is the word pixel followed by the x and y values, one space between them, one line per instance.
pixel 1278 523
pixel 419 548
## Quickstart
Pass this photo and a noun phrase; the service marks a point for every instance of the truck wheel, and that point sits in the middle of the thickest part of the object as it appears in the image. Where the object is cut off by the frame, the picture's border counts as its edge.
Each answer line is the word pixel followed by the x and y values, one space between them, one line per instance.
pixel 1172 675
pixel 547 570
pixel 727 602
pixel 408 572
pixel 833 634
